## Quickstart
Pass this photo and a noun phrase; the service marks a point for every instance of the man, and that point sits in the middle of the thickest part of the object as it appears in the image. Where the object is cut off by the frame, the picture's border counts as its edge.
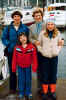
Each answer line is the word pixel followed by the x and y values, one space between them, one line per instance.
pixel 9 39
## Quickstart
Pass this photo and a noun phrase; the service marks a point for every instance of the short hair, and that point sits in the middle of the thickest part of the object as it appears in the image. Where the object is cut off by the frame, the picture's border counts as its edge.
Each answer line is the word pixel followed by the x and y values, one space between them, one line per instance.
pixel 16 13
pixel 37 11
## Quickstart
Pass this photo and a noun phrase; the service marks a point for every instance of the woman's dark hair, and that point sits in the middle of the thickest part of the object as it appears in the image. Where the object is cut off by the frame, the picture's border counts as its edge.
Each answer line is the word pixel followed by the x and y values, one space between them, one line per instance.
pixel 16 13
pixel 20 34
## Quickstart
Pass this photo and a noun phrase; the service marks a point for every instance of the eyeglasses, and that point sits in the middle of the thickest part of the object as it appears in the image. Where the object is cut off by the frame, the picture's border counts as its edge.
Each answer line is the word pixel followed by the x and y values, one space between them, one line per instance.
pixel 37 15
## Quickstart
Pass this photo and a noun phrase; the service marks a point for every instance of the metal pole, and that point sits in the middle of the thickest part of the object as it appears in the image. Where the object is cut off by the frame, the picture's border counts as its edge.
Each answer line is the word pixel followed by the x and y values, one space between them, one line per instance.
pixel 54 1
pixel 51 1
pixel 26 3
pixel 8 2
pixel 37 2
pixel 44 4
pixel 59 1
pixel 16 2
pixel 2 5
pixel 47 3
pixel 22 3
pixel 64 1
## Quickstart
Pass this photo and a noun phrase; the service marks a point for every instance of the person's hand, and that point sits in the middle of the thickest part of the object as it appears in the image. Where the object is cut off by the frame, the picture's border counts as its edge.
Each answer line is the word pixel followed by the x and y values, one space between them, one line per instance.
pixel 61 42
pixel 37 43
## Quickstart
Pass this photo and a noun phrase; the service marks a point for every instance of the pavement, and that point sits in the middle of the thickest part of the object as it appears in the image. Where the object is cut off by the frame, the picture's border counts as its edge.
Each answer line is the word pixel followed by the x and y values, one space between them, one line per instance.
pixel 60 91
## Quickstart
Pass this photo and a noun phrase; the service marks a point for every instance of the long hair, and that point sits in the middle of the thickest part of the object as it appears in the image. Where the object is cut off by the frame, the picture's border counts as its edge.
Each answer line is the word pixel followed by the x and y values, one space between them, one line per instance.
pixel 55 32
pixel 20 34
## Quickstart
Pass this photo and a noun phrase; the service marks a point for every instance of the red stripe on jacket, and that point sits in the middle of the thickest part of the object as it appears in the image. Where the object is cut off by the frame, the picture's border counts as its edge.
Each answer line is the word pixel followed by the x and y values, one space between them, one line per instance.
pixel 25 57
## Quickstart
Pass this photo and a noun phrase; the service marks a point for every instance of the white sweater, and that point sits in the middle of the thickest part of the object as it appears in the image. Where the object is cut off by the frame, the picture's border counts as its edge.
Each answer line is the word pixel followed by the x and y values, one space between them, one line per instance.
pixel 49 47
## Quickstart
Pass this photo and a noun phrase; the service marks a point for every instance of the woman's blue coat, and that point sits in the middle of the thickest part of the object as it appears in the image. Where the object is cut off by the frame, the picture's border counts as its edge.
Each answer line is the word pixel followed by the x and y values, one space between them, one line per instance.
pixel 9 36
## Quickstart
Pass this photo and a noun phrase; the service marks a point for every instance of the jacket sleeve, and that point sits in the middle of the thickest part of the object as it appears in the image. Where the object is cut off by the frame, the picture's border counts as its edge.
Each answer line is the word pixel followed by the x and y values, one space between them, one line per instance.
pixel 5 37
pixel 31 33
pixel 39 47
pixel 35 61
pixel 14 61
pixel 59 39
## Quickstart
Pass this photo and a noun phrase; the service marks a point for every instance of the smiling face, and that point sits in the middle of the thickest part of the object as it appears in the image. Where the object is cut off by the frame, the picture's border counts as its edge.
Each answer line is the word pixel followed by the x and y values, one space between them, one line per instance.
pixel 16 19
pixel 38 17
pixel 50 26
pixel 23 39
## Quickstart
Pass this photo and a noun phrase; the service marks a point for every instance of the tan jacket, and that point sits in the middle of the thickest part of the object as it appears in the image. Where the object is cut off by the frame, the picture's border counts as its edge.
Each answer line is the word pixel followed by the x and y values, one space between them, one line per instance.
pixel 49 47
pixel 34 31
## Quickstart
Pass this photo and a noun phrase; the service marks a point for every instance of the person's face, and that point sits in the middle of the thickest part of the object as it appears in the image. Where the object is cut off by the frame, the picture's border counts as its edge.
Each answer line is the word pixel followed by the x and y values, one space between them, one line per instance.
pixel 38 17
pixel 16 19
pixel 50 26
pixel 23 39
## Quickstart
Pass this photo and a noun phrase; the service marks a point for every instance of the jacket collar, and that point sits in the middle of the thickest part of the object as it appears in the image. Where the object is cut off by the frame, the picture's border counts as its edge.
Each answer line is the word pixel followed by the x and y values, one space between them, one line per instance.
pixel 13 22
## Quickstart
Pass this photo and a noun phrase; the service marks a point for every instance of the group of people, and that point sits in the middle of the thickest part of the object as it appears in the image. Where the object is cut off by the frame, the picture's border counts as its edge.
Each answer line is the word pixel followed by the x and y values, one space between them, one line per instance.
pixel 33 48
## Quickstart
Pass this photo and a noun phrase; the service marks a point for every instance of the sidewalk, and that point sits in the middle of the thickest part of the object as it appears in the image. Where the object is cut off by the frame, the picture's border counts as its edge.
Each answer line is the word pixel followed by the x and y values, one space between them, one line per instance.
pixel 61 90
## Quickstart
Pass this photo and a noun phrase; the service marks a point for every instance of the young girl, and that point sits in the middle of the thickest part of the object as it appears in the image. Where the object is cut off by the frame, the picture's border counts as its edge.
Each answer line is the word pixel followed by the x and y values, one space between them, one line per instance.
pixel 24 57
pixel 50 44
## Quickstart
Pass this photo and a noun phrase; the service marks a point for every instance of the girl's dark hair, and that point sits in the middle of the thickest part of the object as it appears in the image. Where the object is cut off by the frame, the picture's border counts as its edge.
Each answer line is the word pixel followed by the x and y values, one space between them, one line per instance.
pixel 20 34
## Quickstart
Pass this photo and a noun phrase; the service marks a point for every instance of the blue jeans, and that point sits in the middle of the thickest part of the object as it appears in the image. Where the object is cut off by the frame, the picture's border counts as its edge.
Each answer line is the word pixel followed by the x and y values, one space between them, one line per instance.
pixel 24 80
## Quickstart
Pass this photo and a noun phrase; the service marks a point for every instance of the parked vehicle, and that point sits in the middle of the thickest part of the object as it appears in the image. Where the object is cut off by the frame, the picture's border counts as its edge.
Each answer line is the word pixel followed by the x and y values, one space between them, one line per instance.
pixel 27 16
pixel 58 10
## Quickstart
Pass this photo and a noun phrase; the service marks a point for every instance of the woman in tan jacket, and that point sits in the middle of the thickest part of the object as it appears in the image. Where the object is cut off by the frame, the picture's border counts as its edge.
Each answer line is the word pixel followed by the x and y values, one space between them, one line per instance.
pixel 35 30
